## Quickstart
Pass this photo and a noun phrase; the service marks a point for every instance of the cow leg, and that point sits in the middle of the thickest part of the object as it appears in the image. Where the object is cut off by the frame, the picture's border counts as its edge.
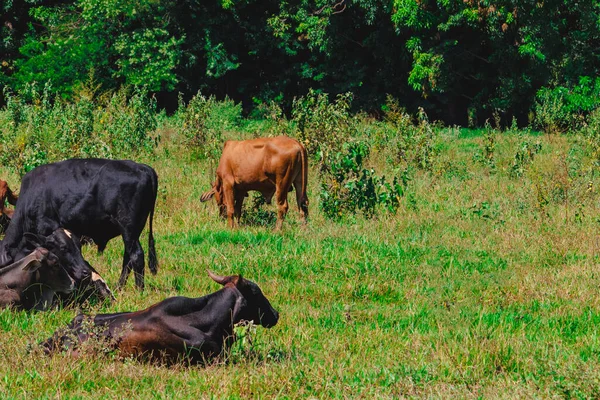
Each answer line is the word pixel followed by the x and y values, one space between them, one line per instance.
pixel 137 262
pixel 302 200
pixel 133 258
pixel 125 270
pixel 282 206
pixel 239 201
pixel 229 200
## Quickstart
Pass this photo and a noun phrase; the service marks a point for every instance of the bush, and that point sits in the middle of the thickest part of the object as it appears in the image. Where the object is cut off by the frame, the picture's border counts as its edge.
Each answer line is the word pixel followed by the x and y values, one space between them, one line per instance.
pixel 256 214
pixel 487 155
pixel 323 126
pixel 43 129
pixel 347 187
pixel 562 108
pixel 124 125
pixel 204 121
pixel 414 145
pixel 271 119
pixel 591 133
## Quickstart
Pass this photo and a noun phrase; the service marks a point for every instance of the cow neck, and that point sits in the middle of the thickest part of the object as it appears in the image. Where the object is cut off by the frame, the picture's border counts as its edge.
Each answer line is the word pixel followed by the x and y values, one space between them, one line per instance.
pixel 13 272
pixel 5 258
pixel 227 305
pixel 10 243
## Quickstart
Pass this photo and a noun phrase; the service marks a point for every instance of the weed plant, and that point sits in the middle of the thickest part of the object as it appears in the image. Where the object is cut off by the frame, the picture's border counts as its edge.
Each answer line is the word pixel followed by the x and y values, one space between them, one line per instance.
pixel 323 126
pixel 205 119
pixel 44 129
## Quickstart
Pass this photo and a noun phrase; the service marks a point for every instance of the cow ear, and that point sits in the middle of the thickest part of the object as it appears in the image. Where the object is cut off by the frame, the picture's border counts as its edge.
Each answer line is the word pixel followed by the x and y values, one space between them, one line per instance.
pixel 32 266
pixel 34 239
pixel 239 281
pixel 33 261
pixel 207 195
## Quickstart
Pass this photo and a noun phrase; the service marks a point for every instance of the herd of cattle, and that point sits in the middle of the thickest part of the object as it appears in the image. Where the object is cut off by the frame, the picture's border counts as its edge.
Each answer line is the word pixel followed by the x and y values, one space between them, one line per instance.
pixel 64 204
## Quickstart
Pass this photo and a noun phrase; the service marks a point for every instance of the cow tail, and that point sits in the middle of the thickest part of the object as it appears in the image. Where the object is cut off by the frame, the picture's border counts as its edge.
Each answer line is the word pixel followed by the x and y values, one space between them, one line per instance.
pixel 152 259
pixel 304 156
pixel 11 197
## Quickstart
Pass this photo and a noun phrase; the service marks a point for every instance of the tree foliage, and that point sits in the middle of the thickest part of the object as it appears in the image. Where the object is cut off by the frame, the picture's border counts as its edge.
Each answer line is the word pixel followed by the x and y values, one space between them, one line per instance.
pixel 454 58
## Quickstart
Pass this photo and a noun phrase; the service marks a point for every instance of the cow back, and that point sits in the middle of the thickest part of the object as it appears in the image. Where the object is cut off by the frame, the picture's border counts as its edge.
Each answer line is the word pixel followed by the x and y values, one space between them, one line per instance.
pixel 86 196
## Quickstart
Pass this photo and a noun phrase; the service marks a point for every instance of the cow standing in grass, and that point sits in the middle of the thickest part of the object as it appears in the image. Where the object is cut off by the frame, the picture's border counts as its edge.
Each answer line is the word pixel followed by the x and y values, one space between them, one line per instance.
pixel 97 198
pixel 268 165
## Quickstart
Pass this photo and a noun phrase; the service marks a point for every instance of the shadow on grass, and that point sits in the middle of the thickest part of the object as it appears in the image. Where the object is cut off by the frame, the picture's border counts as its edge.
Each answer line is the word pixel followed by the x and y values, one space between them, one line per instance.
pixel 257 215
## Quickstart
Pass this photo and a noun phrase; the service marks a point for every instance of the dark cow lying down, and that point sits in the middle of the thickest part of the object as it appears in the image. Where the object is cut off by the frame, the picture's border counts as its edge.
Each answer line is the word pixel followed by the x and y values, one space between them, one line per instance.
pixel 267 165
pixel 64 247
pixel 31 282
pixel 6 195
pixel 96 198
pixel 178 328
pixel 67 247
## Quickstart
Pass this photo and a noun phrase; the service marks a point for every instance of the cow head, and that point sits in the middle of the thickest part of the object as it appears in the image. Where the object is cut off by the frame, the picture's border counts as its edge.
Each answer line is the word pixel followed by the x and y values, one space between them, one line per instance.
pixel 217 192
pixel 67 247
pixel 256 307
pixel 51 273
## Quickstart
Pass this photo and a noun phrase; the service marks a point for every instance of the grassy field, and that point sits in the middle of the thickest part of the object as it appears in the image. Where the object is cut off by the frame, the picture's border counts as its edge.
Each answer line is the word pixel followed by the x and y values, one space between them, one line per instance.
pixel 481 285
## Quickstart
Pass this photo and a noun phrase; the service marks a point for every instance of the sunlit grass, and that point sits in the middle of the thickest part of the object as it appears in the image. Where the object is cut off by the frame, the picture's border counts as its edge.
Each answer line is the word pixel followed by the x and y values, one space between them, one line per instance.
pixel 481 285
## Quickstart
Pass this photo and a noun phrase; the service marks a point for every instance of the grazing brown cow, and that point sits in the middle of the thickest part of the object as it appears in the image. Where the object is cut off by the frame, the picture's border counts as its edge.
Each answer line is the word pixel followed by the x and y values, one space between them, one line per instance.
pixel 176 329
pixel 6 195
pixel 267 165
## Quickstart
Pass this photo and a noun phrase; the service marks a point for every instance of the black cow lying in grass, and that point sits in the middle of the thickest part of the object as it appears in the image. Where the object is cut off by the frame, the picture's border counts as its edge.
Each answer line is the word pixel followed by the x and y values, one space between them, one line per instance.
pixel 65 249
pixel 176 329
pixel 31 282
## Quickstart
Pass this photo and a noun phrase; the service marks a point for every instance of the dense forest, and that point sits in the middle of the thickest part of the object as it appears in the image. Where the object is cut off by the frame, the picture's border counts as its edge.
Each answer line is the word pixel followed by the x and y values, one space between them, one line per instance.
pixel 460 60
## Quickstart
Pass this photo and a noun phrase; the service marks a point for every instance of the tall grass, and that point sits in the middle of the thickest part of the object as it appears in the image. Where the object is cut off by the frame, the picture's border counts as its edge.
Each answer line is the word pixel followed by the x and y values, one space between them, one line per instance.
pixel 482 283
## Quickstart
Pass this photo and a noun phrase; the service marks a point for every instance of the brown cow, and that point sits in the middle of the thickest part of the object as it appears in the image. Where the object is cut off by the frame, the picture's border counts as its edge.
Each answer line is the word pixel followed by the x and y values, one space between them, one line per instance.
pixel 6 195
pixel 267 165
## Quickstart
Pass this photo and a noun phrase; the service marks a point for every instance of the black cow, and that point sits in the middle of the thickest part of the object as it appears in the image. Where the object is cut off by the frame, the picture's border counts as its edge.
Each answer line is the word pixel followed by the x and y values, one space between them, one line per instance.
pixel 96 198
pixel 178 328
pixel 31 282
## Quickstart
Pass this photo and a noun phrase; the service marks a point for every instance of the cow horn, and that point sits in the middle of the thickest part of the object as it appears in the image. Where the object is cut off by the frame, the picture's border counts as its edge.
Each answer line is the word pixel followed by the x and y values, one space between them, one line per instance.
pixel 218 278
pixel 34 239
pixel 207 195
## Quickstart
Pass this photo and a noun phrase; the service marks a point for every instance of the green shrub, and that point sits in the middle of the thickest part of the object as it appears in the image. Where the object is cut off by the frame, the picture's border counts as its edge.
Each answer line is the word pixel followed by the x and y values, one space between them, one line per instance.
pixel 561 108
pixel 591 134
pixel 414 145
pixel 257 215
pixel 43 129
pixel 323 126
pixel 125 124
pixel 524 156
pixel 347 187
pixel 487 155
pixel 272 120
pixel 204 121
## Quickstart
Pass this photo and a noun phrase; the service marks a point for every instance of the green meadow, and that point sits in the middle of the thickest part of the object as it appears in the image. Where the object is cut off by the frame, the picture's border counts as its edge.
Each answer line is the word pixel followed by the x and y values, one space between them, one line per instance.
pixel 483 282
